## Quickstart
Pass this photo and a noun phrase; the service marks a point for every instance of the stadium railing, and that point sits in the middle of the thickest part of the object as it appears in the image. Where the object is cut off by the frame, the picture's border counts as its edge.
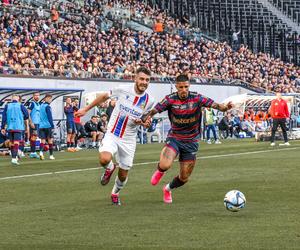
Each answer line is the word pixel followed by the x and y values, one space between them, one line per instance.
pixel 81 74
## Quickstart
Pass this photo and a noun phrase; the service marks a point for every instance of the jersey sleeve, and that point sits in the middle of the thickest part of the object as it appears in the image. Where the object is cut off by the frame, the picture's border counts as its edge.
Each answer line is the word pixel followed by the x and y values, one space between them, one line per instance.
pixel 25 112
pixel 31 106
pixel 205 101
pixel 4 117
pixel 49 116
pixel 163 105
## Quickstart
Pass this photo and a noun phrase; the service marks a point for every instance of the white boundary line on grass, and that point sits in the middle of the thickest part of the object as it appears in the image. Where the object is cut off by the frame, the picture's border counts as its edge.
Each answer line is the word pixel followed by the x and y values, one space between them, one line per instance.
pixel 141 163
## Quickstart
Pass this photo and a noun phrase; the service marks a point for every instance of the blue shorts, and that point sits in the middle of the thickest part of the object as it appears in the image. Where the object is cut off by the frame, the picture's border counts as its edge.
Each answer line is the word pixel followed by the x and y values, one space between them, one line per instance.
pixel 35 130
pixel 71 128
pixel 46 133
pixel 15 136
pixel 187 151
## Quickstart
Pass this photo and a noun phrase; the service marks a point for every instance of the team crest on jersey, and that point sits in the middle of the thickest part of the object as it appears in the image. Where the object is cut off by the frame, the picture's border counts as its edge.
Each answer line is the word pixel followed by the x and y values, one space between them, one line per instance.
pixel 191 105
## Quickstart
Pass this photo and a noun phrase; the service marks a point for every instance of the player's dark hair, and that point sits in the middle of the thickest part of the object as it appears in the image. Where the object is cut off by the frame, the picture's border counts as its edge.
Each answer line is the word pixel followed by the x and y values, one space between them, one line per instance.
pixel 48 95
pixel 143 70
pixel 182 78
pixel 36 92
pixel 94 116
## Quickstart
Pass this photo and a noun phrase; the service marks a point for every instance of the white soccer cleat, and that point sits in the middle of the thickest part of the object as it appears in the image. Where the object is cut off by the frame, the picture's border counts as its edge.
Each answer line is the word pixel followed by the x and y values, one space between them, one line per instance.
pixel 218 142
pixel 52 157
pixel 285 144
pixel 14 161
pixel 42 157
pixel 208 141
pixel 272 144
pixel 21 154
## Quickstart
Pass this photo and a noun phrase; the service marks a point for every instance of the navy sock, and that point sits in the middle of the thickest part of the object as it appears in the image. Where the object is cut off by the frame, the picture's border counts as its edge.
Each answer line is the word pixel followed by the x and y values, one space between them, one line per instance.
pixel 176 182
pixel 51 148
pixel 32 146
pixel 159 169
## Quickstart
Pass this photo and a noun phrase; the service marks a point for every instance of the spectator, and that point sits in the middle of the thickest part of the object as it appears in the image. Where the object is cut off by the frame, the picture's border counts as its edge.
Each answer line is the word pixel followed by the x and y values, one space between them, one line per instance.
pixel 54 16
pixel 158 26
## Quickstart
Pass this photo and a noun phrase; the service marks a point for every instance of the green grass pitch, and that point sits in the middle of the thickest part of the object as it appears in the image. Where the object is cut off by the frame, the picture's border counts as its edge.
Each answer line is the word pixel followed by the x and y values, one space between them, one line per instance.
pixel 71 210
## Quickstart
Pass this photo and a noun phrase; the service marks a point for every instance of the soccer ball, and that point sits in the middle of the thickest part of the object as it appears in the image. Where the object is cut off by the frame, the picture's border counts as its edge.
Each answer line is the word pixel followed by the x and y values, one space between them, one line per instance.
pixel 234 200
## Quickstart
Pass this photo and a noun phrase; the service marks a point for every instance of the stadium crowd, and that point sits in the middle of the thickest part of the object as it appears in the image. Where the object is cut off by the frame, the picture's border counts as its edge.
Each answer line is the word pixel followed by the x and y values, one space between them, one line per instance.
pixel 46 44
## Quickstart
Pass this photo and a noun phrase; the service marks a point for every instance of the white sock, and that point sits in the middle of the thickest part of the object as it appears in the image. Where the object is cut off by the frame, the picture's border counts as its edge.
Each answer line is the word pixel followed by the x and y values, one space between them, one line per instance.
pixel 118 185
pixel 168 187
pixel 110 165
pixel 94 144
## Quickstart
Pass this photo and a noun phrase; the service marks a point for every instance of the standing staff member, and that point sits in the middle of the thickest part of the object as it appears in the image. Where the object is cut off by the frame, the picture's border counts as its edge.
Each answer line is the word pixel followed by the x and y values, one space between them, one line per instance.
pixel 46 127
pixel 13 116
pixel 279 112
pixel 70 124
pixel 34 123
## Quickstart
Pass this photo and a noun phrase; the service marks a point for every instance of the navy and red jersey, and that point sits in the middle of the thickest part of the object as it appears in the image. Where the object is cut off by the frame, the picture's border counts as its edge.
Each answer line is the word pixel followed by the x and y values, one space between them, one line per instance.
pixel 184 115
pixel 69 112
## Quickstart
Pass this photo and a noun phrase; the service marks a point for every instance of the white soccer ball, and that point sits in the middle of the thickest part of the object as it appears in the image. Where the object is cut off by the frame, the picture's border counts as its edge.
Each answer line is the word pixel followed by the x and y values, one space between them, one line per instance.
pixel 234 200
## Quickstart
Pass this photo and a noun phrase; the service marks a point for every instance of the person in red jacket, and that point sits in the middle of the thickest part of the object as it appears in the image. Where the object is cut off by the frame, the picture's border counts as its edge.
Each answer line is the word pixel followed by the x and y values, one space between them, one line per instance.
pixel 279 112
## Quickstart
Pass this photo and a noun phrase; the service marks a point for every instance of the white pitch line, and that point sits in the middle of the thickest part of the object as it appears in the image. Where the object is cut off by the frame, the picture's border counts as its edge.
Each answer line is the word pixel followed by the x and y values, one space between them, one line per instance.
pixel 141 163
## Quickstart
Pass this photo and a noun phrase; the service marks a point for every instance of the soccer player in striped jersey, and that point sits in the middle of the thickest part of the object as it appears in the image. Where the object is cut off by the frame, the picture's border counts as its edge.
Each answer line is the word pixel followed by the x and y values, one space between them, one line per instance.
pixel 184 111
pixel 120 139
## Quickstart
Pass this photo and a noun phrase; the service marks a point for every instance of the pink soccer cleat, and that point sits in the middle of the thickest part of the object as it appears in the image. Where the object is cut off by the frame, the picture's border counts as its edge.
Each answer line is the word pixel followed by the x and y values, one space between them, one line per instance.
pixel 106 175
pixel 156 177
pixel 167 195
pixel 115 199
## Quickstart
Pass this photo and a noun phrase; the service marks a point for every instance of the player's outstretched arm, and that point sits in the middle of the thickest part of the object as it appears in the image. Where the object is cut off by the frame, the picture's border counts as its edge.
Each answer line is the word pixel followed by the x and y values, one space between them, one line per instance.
pixel 150 114
pixel 103 97
pixel 146 120
pixel 222 107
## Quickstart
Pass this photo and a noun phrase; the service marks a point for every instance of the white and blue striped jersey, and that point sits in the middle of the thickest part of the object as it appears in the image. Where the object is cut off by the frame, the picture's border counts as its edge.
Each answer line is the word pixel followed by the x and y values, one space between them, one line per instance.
pixel 129 106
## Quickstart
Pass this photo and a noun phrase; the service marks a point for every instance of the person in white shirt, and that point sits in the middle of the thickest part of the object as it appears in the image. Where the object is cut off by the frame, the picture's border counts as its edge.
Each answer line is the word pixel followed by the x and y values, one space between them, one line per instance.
pixel 120 139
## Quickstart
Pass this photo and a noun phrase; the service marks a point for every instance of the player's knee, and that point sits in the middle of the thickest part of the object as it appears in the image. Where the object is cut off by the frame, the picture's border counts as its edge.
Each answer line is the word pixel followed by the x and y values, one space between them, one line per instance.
pixel 165 165
pixel 122 174
pixel 104 159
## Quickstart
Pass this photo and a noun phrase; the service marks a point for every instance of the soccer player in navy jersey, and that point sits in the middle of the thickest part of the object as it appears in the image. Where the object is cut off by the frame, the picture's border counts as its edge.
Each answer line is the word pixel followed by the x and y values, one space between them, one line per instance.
pixel 184 111
pixel 71 128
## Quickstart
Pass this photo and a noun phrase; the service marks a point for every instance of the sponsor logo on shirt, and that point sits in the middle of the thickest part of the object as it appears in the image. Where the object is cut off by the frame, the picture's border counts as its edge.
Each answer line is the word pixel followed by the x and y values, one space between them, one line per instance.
pixel 130 111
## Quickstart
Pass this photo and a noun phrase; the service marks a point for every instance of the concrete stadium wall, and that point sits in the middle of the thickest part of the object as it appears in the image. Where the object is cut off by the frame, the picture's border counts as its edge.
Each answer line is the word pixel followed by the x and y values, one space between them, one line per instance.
pixel 157 90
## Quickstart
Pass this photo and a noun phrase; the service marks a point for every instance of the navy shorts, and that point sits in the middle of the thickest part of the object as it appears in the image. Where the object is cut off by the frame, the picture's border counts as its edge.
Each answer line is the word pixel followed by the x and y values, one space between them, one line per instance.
pixel 71 128
pixel 35 130
pixel 187 151
pixel 46 133
pixel 15 136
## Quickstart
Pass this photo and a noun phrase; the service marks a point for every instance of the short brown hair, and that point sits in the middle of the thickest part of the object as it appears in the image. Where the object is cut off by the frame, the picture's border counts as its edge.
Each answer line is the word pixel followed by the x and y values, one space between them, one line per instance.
pixel 143 70
pixel 48 95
